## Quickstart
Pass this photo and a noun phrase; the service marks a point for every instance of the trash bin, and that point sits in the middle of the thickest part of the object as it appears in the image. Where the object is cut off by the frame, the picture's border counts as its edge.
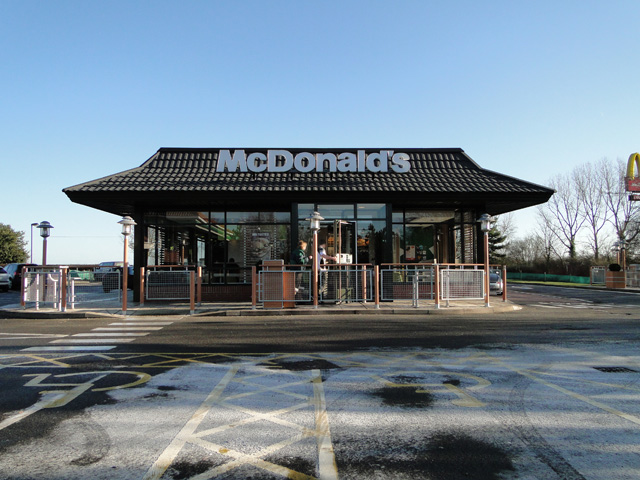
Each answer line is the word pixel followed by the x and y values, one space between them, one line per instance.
pixel 278 285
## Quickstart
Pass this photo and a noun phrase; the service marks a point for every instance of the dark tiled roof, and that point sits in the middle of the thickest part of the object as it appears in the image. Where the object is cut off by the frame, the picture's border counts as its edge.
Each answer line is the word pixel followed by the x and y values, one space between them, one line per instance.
pixel 432 171
pixel 448 172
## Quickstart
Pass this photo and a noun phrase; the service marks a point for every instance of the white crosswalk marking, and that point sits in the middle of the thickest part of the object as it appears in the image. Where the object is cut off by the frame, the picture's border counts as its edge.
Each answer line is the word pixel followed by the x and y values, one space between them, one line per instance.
pixel 114 334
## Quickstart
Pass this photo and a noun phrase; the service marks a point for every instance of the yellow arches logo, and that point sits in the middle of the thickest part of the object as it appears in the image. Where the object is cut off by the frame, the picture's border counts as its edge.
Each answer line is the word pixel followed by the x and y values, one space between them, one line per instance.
pixel 632 179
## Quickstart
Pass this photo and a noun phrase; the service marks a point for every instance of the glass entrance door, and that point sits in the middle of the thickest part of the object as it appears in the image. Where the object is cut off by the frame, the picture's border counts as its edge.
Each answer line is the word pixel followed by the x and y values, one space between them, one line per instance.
pixel 339 238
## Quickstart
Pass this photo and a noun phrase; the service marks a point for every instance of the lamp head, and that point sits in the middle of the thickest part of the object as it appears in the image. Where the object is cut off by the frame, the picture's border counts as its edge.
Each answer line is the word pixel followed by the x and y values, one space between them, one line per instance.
pixel 127 222
pixel 485 222
pixel 314 221
pixel 45 229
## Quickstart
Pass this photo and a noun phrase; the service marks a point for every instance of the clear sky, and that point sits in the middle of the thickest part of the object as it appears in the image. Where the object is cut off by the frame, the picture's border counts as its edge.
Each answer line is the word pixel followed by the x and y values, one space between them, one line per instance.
pixel 527 88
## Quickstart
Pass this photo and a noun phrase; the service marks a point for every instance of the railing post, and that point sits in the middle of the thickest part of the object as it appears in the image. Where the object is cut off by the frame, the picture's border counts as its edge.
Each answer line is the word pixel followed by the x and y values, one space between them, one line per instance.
pixel 23 289
pixel 376 272
pixel 437 285
pixel 254 287
pixel 63 288
pixel 364 284
pixel 504 283
pixel 142 272
pixel 192 292
pixel 199 290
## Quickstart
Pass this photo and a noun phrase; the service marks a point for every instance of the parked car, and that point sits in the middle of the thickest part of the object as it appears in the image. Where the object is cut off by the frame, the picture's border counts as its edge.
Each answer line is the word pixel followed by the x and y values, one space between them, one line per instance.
pixel 495 284
pixel 5 280
pixel 113 279
pixel 106 267
pixel 15 273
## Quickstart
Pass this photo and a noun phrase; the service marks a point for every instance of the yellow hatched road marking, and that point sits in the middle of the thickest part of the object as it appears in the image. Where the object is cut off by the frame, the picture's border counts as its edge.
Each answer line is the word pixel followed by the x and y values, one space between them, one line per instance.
pixel 577 396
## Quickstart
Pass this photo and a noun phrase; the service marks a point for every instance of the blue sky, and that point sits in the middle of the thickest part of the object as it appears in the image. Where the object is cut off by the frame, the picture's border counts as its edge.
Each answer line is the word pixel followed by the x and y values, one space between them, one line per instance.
pixel 528 89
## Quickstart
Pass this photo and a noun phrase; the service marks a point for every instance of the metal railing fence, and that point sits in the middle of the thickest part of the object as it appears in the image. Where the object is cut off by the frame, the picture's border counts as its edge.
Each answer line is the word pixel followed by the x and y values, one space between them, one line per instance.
pixel 168 282
pixel 462 284
pixel 346 283
pixel 284 287
pixel 407 282
pixel 44 285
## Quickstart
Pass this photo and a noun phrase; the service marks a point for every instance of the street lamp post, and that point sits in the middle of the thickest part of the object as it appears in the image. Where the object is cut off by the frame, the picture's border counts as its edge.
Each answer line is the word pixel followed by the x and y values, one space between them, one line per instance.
pixel 485 225
pixel 45 232
pixel 314 223
pixel 31 242
pixel 127 224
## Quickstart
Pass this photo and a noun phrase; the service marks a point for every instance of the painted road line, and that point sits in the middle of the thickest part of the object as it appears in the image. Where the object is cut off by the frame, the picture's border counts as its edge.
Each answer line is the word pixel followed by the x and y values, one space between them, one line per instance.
pixel 29 336
pixel 170 453
pixel 153 324
pixel 327 466
pixel 84 348
pixel 114 334
pixel 120 329
pixel 95 340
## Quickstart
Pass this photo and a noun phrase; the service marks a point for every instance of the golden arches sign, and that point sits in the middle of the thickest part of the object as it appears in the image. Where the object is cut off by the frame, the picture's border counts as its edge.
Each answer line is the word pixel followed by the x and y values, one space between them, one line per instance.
pixel 632 178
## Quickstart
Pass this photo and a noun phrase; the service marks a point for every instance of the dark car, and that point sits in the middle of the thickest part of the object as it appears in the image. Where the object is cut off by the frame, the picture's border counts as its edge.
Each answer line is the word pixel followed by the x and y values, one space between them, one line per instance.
pixel 113 279
pixel 5 280
pixel 15 273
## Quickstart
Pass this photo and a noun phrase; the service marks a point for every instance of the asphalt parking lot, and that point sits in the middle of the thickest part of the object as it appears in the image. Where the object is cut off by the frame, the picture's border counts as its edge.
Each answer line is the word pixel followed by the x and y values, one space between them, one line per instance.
pixel 528 394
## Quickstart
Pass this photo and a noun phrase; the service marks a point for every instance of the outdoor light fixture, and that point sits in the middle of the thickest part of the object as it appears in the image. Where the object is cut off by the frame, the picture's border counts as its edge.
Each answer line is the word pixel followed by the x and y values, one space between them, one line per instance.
pixel 314 221
pixel 485 225
pixel 31 242
pixel 314 224
pixel 485 222
pixel 45 229
pixel 127 223
pixel 45 232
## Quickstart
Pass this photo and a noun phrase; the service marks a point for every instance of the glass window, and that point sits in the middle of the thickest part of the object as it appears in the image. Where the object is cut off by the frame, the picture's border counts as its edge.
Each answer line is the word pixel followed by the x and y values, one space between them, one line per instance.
pixel 371 236
pixel 217 217
pixel 305 210
pixel 343 212
pixel 243 217
pixel 429 216
pixel 417 243
pixel 371 210
pixel 397 217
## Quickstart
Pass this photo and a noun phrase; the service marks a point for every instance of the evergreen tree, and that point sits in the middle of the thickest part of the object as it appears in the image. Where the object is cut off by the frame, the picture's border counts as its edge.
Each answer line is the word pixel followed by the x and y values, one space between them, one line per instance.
pixel 496 246
pixel 12 245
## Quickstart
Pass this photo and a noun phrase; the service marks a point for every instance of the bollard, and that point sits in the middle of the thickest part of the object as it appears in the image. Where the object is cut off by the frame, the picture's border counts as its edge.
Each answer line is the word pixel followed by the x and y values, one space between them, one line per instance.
pixel 192 292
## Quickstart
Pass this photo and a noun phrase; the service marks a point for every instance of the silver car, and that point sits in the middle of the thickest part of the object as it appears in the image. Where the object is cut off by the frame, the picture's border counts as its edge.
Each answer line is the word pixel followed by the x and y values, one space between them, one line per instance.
pixel 5 280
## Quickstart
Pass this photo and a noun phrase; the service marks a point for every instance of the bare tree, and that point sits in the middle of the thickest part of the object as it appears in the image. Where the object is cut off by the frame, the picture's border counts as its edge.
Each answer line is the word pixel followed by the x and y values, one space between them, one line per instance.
pixel 507 225
pixel 622 213
pixel 590 192
pixel 525 251
pixel 563 214
pixel 547 240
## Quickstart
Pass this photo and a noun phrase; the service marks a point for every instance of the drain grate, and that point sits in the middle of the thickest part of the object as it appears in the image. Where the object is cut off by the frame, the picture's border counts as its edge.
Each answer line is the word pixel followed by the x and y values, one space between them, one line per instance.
pixel 616 370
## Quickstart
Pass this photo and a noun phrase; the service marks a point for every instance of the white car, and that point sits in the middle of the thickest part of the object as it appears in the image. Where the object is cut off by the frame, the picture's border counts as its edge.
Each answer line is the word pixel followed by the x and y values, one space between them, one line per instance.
pixel 5 280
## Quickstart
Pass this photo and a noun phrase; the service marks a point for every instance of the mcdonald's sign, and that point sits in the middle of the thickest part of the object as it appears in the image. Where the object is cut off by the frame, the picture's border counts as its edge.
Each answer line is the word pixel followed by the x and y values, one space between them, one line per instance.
pixel 632 179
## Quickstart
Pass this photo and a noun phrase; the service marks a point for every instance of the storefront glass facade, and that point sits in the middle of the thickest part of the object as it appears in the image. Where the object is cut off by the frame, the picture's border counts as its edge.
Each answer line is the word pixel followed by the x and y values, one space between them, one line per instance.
pixel 226 244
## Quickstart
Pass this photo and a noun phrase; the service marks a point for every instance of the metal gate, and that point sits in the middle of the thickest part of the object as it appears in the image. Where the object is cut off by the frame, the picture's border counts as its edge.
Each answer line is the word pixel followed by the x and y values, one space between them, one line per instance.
pixel 168 283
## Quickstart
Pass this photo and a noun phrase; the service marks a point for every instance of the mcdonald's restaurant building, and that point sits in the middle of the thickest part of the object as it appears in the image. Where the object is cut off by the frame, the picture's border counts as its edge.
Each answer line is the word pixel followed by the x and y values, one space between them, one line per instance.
pixel 229 209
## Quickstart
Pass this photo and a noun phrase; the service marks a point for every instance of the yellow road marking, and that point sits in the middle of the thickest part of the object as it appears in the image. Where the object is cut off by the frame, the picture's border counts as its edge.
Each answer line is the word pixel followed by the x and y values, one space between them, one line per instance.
pixel 577 396
pixel 170 453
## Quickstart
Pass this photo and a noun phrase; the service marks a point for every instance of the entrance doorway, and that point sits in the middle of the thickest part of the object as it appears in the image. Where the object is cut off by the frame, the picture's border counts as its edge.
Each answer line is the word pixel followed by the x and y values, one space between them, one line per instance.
pixel 339 237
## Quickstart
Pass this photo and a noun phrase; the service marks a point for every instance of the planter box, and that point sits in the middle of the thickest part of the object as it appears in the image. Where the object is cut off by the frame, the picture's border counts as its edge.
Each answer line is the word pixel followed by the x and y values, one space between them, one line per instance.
pixel 615 279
